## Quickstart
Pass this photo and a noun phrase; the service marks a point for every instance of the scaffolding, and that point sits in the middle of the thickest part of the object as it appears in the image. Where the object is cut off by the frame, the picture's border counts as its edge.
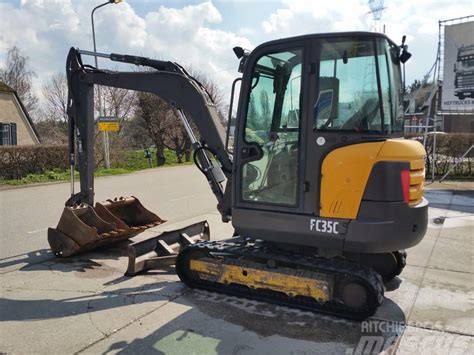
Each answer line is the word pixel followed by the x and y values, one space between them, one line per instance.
pixel 436 72
pixel 439 112
pixel 440 68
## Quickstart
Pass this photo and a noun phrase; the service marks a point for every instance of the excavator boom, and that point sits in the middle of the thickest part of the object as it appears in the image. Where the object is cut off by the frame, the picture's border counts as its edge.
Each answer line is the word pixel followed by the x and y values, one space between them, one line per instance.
pixel 171 83
pixel 83 227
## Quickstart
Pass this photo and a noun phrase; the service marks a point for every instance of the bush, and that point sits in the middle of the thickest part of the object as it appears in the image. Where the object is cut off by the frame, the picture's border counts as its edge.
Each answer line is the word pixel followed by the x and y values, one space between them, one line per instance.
pixel 16 162
pixel 449 149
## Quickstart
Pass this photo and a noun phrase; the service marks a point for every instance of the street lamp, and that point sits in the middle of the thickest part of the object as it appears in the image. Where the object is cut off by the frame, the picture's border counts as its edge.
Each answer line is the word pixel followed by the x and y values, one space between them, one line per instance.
pixel 105 135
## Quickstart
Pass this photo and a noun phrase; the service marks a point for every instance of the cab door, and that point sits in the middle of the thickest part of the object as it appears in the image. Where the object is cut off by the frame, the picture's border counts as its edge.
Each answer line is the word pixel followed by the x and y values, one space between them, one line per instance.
pixel 269 155
pixel 351 101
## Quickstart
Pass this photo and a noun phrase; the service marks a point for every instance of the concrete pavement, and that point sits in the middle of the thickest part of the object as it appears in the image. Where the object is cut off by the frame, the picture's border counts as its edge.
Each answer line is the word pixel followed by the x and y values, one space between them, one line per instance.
pixel 85 304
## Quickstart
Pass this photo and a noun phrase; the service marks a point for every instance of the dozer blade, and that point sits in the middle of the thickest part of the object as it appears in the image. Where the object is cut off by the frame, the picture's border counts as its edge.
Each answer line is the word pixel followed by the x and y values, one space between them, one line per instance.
pixel 84 228
pixel 161 251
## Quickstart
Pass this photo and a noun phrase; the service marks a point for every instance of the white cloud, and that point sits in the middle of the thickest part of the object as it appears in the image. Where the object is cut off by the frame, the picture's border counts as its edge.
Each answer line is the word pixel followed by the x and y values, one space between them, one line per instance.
pixel 306 16
pixel 416 19
pixel 45 30
pixel 194 35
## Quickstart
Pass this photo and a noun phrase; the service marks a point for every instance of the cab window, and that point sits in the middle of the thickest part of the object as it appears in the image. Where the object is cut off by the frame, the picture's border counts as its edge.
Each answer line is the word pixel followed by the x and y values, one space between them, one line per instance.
pixel 350 70
pixel 273 123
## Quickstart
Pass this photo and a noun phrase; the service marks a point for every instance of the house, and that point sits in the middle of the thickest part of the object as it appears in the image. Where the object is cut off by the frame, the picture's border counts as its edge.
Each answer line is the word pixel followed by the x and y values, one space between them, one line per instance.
pixel 420 105
pixel 16 126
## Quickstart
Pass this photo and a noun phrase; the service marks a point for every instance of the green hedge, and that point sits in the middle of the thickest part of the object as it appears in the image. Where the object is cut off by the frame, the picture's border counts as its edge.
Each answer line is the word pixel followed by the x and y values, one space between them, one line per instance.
pixel 38 163
pixel 17 162
pixel 449 149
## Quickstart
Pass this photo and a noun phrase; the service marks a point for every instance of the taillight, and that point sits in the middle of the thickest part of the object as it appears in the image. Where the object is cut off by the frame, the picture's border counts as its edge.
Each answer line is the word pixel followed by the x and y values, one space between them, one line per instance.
pixel 405 177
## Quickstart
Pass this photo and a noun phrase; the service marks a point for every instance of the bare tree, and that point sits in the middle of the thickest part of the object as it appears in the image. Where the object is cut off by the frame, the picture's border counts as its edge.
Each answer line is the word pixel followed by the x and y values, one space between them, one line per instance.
pixel 53 112
pixel 55 93
pixel 153 111
pixel 118 102
pixel 216 96
pixel 17 75
pixel 163 125
pixel 212 89
pixel 51 132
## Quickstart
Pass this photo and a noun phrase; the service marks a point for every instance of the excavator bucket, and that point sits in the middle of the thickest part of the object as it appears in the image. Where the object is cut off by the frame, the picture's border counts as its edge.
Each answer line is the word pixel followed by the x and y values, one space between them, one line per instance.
pixel 162 250
pixel 131 211
pixel 83 228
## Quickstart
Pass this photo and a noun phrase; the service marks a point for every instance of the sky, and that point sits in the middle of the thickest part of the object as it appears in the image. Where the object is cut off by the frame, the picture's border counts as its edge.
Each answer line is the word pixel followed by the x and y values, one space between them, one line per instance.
pixel 201 34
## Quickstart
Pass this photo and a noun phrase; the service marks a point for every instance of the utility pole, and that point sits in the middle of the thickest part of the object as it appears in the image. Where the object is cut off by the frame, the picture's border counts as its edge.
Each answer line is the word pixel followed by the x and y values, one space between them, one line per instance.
pixel 105 134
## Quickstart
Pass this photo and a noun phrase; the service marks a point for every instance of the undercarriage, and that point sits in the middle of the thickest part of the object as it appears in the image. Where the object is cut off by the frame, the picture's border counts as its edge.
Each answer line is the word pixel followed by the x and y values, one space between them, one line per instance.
pixel 264 271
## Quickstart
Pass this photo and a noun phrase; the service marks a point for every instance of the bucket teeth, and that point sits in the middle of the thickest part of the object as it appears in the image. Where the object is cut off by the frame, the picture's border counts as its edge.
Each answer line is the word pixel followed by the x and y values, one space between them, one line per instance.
pixel 84 227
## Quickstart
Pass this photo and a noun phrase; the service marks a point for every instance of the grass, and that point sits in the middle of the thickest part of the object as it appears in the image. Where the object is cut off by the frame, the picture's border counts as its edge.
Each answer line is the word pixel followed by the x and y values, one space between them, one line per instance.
pixel 133 161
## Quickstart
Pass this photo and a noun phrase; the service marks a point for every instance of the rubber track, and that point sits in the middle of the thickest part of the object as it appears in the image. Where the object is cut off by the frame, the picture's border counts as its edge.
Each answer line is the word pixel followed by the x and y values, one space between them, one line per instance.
pixel 401 256
pixel 239 250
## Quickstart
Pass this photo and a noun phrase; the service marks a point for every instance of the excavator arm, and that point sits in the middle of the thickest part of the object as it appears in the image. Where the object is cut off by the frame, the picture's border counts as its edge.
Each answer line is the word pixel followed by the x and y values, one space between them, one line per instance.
pixel 170 82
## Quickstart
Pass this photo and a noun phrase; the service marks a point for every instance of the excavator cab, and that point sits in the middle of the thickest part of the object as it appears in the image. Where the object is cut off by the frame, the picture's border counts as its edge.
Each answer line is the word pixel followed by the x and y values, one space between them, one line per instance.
pixel 318 128
pixel 327 195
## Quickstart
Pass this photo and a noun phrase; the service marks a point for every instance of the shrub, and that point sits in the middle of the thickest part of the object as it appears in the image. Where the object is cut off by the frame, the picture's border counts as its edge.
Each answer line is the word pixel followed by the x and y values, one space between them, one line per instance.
pixel 17 162
pixel 449 149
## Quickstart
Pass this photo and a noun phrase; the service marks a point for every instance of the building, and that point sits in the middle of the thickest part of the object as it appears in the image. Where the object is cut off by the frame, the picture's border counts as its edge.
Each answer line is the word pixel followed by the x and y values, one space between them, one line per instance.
pixel 16 126
pixel 420 105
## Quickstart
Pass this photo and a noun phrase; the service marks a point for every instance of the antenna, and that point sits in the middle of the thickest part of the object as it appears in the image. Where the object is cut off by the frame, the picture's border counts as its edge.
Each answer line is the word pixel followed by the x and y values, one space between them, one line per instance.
pixel 376 9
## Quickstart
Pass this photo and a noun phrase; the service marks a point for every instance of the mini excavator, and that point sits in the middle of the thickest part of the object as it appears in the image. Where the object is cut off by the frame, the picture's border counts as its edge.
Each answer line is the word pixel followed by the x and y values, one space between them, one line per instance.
pixel 323 192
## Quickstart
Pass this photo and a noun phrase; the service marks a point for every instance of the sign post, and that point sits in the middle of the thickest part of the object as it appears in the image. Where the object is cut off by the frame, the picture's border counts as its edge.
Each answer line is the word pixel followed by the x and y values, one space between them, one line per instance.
pixel 147 154
pixel 107 124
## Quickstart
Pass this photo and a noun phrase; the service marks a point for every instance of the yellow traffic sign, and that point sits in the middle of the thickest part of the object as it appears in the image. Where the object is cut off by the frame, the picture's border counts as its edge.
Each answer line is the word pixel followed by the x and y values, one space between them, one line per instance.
pixel 109 126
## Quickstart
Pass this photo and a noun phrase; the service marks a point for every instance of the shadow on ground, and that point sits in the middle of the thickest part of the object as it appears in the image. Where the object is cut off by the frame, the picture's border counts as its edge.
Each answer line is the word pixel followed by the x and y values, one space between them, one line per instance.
pixel 229 325
pixel 29 259
pixel 79 263
pixel 210 322
pixel 35 309
pixel 453 200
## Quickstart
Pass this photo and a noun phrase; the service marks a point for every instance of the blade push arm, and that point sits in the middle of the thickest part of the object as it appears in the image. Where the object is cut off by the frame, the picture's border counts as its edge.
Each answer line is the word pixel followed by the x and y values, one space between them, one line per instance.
pixel 172 84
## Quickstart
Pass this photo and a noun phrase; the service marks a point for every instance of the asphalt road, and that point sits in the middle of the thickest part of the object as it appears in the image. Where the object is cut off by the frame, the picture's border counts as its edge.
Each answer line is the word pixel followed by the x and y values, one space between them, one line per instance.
pixel 84 304
pixel 174 193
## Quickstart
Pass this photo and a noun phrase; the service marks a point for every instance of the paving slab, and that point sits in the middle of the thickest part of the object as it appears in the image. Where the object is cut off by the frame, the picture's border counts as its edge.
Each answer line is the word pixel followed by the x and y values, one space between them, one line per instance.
pixel 454 250
pixel 207 323
pixel 418 340
pixel 445 302
pixel 459 200
pixel 421 254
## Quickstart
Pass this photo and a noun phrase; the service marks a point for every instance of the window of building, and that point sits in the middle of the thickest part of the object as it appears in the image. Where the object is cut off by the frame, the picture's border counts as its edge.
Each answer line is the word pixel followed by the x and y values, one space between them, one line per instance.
pixel 8 134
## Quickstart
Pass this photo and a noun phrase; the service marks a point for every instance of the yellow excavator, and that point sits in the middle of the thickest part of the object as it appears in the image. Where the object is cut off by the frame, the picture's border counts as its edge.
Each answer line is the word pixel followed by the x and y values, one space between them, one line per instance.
pixel 323 192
